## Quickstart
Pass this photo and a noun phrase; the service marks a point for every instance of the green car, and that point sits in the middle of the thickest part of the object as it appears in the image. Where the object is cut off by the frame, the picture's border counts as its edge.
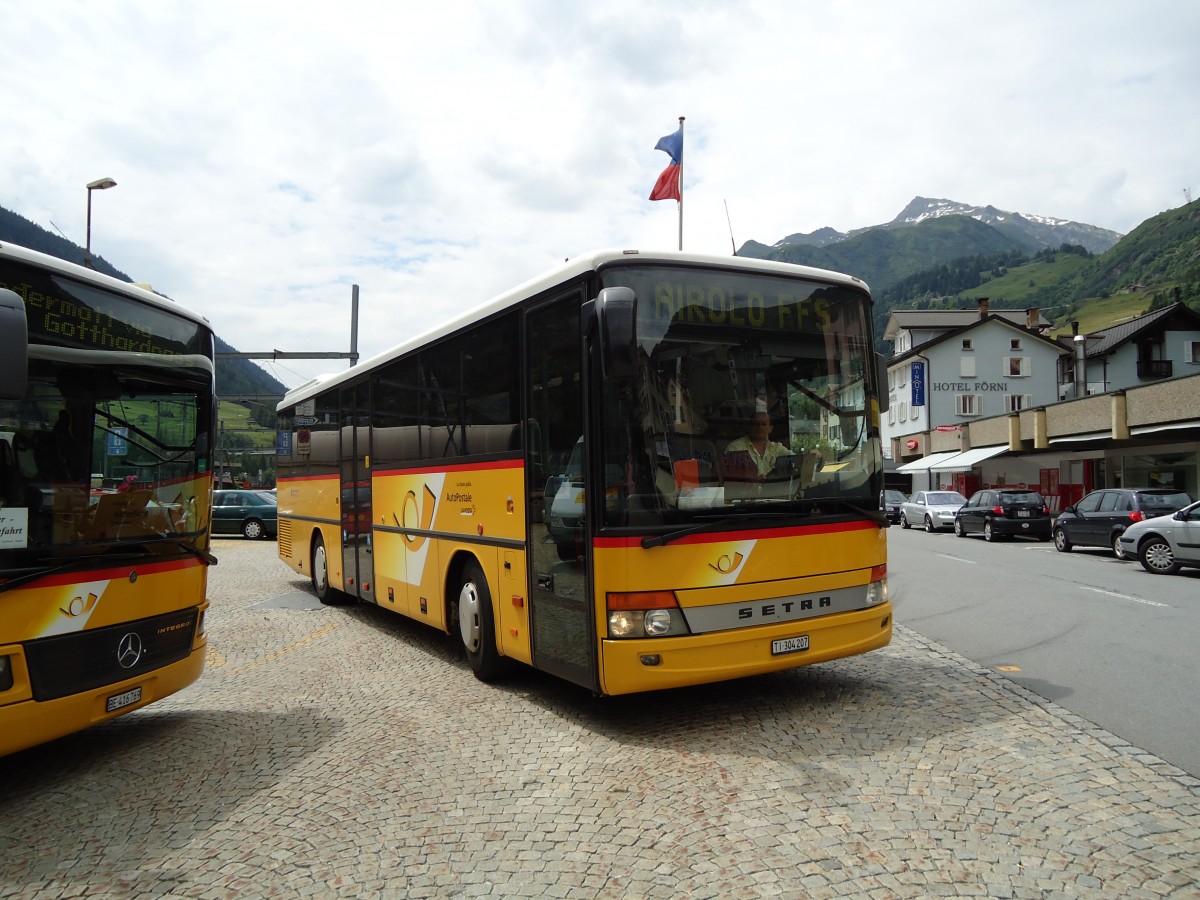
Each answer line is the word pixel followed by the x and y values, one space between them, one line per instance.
pixel 252 514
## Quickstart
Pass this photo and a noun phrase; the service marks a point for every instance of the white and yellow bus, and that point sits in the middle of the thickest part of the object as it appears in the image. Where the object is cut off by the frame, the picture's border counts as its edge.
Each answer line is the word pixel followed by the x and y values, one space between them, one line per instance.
pixel 106 437
pixel 567 477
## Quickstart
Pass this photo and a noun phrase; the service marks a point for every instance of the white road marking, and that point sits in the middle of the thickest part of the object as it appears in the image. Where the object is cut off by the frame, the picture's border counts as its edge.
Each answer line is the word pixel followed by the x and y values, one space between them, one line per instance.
pixel 957 558
pixel 1124 596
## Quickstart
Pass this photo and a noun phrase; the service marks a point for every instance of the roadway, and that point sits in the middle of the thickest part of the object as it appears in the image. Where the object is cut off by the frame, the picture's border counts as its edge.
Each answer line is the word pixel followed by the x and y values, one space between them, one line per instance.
pixel 1103 638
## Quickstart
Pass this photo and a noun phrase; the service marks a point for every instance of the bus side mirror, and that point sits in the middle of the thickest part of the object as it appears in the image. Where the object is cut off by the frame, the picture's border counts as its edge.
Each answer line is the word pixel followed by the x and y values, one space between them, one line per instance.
pixel 881 375
pixel 14 346
pixel 616 320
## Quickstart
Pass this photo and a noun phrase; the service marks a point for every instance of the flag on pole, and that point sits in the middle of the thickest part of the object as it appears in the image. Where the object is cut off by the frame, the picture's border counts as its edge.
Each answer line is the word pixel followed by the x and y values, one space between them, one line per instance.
pixel 667 185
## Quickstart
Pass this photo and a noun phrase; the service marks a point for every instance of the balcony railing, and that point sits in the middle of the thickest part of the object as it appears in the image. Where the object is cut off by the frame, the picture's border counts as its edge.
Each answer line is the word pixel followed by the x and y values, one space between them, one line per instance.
pixel 1154 368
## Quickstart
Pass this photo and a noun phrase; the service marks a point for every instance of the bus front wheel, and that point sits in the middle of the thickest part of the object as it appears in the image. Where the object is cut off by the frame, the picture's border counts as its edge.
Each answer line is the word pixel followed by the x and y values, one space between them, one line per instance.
pixel 476 627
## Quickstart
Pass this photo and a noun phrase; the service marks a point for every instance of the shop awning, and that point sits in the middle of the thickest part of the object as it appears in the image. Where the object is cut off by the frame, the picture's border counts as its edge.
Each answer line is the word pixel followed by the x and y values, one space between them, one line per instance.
pixel 922 464
pixel 963 462
pixel 1072 438
pixel 1166 426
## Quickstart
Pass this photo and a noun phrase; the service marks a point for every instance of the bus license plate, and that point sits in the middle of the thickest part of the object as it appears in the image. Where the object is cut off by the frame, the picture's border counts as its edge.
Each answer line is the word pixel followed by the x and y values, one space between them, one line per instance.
pixel 789 645
pixel 117 701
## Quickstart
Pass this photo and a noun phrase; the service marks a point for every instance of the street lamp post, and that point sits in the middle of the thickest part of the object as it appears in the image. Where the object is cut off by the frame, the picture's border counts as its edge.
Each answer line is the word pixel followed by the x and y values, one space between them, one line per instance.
pixel 100 184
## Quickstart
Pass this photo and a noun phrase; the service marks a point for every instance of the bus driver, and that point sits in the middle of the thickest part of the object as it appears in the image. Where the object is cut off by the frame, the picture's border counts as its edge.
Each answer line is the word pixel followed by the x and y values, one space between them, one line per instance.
pixel 764 452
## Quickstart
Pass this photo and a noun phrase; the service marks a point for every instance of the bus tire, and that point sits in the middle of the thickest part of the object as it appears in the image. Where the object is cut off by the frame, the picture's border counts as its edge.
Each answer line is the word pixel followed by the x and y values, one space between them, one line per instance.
pixel 319 569
pixel 472 609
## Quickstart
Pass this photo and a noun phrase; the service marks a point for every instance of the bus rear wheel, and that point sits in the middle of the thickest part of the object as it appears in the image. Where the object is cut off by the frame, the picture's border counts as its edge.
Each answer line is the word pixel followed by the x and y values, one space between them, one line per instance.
pixel 472 614
pixel 327 594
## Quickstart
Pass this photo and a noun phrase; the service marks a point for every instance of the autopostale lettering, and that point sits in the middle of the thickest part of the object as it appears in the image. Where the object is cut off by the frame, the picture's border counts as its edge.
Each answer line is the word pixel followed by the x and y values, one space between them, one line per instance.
pixel 783 607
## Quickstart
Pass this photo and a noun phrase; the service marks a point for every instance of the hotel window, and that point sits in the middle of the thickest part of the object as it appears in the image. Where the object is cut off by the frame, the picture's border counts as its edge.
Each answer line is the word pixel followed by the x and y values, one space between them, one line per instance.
pixel 966 343
pixel 1017 366
pixel 966 367
pixel 1014 344
pixel 1191 351
pixel 968 404
pixel 1014 402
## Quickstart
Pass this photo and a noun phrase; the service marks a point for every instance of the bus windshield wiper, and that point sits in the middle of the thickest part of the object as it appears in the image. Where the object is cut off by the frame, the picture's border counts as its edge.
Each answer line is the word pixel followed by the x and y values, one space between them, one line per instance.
pixel 76 562
pixel 184 545
pixel 878 516
pixel 123 550
pixel 659 540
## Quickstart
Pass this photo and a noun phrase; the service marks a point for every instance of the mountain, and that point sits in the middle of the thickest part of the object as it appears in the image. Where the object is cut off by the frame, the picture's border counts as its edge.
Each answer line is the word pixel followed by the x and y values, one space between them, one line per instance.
pixel 882 256
pixel 928 233
pixel 1156 264
pixel 235 377
pixel 1045 231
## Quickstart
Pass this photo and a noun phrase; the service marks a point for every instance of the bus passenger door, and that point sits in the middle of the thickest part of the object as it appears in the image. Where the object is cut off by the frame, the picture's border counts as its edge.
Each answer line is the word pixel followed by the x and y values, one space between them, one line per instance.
pixel 562 618
pixel 355 502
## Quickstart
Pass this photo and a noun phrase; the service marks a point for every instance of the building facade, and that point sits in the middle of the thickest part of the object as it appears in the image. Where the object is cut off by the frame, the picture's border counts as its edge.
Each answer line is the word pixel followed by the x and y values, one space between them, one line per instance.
pixel 1131 418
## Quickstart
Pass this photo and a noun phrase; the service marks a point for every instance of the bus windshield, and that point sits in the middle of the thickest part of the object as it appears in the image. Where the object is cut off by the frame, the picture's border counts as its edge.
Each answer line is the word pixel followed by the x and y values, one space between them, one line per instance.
pixel 749 398
pixel 106 450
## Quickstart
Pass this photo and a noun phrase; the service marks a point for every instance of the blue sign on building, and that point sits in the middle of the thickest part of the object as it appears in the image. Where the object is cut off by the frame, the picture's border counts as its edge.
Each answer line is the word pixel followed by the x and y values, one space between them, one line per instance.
pixel 918 384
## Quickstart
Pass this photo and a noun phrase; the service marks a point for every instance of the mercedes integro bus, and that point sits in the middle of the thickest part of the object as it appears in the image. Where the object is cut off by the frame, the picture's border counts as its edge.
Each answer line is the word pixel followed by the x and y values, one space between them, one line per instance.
pixel 106 427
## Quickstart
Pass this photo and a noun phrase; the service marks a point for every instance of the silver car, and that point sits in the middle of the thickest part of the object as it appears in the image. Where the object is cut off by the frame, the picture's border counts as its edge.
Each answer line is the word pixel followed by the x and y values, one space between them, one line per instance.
pixel 933 509
pixel 1165 544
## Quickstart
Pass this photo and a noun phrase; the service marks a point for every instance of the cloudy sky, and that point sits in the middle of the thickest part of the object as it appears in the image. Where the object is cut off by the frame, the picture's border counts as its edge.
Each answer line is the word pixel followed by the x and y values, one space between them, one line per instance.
pixel 269 155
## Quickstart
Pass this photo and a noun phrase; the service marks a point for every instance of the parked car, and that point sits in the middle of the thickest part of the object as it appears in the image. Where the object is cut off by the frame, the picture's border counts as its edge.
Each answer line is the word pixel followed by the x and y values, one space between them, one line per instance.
pixel 1004 512
pixel 933 509
pixel 1165 544
pixel 252 514
pixel 890 502
pixel 1099 519
pixel 564 506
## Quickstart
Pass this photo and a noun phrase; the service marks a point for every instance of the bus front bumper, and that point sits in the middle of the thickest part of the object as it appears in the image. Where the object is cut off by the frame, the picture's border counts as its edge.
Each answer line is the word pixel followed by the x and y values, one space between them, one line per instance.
pixel 629 666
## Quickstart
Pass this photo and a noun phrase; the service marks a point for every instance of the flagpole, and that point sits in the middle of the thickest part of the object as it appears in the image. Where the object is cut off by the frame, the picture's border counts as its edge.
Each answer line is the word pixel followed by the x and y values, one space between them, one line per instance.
pixel 681 185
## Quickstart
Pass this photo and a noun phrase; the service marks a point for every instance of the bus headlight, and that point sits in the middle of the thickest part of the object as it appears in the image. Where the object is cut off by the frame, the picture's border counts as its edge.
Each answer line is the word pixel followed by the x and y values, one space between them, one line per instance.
pixel 877 590
pixel 657 622
pixel 624 624
pixel 645 614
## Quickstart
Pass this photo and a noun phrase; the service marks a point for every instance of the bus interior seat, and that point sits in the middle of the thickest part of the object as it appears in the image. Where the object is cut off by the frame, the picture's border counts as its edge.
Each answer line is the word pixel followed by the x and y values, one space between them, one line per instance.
pixel 115 513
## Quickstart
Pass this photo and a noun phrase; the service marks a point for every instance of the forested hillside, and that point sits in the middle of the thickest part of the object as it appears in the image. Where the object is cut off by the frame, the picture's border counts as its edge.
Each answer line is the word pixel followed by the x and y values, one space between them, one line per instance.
pixel 1156 264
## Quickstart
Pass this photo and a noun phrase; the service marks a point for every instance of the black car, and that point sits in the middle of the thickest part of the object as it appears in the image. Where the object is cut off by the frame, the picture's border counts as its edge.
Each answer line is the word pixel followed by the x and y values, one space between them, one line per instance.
pixel 1004 512
pixel 1099 519
pixel 252 514
pixel 889 502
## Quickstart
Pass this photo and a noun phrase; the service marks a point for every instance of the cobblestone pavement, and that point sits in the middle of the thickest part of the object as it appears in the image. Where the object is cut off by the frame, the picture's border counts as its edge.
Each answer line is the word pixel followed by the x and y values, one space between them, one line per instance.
pixel 348 752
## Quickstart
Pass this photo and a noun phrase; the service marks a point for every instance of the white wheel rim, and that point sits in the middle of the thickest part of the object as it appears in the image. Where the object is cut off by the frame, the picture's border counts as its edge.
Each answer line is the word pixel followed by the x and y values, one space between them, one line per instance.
pixel 468 617
pixel 320 572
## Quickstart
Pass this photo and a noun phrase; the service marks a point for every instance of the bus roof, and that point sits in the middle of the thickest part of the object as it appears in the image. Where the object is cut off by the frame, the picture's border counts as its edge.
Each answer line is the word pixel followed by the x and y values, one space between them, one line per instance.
pixel 586 262
pixel 16 252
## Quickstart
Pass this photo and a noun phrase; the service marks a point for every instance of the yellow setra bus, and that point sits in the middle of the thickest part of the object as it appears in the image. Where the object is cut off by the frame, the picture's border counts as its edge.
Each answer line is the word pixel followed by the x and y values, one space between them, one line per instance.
pixel 106 435
pixel 638 471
